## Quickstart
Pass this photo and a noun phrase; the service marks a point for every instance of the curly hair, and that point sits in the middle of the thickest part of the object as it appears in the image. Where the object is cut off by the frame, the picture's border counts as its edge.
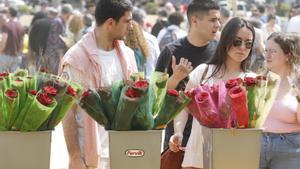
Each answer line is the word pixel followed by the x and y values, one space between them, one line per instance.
pixel 135 39
pixel 289 43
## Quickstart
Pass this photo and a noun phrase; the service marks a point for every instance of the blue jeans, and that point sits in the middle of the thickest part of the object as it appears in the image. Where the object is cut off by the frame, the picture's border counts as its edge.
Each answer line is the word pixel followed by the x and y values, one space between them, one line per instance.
pixel 280 151
pixel 9 63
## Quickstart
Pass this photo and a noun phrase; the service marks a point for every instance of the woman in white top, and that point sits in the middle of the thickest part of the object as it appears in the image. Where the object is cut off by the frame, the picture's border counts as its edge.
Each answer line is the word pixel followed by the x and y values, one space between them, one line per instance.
pixel 230 61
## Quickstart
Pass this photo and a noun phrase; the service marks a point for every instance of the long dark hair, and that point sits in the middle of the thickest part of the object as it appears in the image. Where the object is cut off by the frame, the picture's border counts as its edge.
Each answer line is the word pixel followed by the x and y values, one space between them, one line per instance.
pixel 228 35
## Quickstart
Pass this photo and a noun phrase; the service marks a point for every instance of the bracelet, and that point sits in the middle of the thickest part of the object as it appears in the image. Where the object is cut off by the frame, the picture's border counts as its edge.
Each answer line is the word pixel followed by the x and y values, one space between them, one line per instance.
pixel 298 99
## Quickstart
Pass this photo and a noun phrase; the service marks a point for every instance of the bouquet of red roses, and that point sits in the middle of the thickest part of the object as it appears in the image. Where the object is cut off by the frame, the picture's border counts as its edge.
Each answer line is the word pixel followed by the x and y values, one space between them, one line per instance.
pixel 30 104
pixel 241 103
pixel 134 105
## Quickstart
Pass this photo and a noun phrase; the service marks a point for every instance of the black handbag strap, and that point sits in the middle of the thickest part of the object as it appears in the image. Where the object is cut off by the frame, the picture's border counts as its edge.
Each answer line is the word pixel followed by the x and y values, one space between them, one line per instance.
pixel 204 74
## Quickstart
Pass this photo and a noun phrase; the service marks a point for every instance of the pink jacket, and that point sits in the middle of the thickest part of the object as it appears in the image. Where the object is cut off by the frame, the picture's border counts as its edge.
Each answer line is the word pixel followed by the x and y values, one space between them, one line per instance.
pixel 83 57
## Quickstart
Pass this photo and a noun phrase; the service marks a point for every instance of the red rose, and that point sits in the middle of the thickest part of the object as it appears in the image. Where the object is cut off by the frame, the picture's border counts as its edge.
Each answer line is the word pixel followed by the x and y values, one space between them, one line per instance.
pixel 203 96
pixel 44 99
pixel 86 93
pixel 236 90
pixel 33 92
pixel 11 93
pixel 43 70
pixel 50 90
pixel 261 77
pixel 250 81
pixel 132 93
pixel 231 83
pixel 71 91
pixel 4 74
pixel 141 84
pixel 19 80
pixel 173 92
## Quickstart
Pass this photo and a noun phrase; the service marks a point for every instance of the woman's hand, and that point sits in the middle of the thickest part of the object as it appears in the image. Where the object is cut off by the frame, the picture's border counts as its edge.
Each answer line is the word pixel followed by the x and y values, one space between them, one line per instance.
pixel 175 142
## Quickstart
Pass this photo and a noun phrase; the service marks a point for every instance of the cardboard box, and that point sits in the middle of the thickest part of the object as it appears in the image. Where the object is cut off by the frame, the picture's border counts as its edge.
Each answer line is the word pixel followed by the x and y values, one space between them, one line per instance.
pixel 135 149
pixel 231 148
pixel 30 150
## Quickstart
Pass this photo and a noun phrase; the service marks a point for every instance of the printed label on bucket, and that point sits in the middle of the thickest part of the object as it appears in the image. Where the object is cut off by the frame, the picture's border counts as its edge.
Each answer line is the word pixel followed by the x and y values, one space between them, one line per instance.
pixel 134 153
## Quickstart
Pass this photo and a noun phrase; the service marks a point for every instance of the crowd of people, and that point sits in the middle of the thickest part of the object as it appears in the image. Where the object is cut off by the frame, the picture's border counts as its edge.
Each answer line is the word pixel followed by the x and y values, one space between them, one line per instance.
pixel 203 43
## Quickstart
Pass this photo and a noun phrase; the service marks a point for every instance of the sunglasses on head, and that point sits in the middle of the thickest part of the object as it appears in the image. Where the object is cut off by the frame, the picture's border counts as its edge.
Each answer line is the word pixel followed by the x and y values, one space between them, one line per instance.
pixel 238 43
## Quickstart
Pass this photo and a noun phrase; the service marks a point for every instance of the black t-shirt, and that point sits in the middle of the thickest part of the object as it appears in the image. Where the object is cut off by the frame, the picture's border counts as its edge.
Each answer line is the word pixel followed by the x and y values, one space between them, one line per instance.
pixel 196 55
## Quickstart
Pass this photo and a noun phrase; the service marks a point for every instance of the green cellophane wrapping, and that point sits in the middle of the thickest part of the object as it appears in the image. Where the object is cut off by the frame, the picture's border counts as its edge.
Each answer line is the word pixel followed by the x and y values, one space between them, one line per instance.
pixel 21 73
pixel 36 115
pixel 251 105
pixel 3 115
pixel 137 76
pixel 21 87
pixel 273 81
pixel 143 118
pixel 91 103
pixel 110 98
pixel 158 88
pixel 11 108
pixel 29 100
pixel 61 86
pixel 31 83
pixel 67 102
pixel 171 107
pixel 125 111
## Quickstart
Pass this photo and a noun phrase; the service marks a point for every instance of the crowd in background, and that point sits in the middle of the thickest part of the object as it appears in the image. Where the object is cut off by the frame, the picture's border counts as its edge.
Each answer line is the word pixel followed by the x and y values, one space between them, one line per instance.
pixel 53 30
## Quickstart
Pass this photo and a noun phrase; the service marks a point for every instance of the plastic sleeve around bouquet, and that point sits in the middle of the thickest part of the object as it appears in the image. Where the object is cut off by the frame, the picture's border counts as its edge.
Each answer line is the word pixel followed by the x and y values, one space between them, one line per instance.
pixel 23 112
pixel 273 82
pixel 126 109
pixel 69 99
pixel 37 114
pixel 251 87
pixel 31 83
pixel 19 83
pixel 209 114
pixel 11 106
pixel 3 115
pixel 173 104
pixel 143 118
pixel 110 98
pixel 91 103
pixel 158 88
pixel 239 106
pixel 61 87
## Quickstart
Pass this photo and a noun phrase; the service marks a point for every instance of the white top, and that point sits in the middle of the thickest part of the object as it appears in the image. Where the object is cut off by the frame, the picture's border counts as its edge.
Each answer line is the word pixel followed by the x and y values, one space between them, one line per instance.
pixel 294 24
pixel 177 30
pixel 153 53
pixel 111 71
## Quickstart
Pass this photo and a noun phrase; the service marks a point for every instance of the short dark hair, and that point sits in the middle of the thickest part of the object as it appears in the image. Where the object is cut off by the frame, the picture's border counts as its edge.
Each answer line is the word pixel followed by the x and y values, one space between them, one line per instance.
pixel 13 11
pixel 114 9
pixel 175 18
pixel 201 7
pixel 228 35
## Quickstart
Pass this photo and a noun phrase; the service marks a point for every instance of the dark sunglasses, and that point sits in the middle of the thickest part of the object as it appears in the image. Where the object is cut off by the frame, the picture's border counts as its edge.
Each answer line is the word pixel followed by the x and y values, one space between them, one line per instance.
pixel 238 43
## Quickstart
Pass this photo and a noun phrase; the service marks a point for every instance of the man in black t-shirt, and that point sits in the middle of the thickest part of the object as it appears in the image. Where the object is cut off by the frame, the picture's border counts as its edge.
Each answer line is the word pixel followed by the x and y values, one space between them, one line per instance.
pixel 193 50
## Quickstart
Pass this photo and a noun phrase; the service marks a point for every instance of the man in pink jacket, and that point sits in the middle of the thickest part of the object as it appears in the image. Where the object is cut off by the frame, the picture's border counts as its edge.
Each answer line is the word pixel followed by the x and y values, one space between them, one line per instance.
pixel 97 60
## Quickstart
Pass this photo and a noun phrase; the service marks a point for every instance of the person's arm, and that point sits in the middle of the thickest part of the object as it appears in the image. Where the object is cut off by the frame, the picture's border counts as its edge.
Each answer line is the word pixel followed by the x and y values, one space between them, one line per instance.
pixel 70 128
pixel 3 41
pixel 179 125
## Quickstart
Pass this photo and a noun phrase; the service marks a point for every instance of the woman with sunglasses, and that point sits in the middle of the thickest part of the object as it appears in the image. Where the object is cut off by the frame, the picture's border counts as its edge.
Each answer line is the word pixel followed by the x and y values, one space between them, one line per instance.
pixel 280 145
pixel 229 61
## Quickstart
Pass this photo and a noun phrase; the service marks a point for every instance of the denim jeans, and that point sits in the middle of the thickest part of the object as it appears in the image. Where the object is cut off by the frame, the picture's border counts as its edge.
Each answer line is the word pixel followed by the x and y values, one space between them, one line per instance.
pixel 280 151
pixel 9 63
